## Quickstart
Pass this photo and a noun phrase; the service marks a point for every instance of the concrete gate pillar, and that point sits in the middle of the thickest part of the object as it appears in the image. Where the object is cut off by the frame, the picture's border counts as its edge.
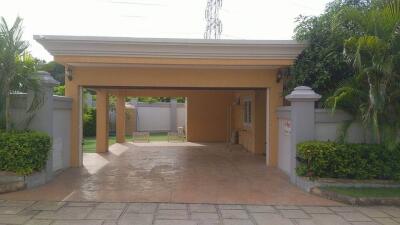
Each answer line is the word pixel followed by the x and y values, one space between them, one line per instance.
pixel 43 117
pixel 120 119
pixel 302 101
pixel 102 125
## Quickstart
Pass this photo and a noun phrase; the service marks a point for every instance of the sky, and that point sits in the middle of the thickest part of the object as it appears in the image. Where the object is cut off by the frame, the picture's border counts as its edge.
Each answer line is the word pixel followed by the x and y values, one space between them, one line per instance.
pixel 250 19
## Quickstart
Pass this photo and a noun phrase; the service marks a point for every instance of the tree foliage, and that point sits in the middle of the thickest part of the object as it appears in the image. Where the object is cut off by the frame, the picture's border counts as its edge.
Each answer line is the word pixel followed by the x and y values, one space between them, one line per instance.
pixel 59 90
pixel 17 69
pixel 322 64
pixel 55 69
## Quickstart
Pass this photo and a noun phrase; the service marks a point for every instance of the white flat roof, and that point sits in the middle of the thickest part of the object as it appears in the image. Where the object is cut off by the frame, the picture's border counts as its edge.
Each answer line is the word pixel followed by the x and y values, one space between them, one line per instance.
pixel 169 47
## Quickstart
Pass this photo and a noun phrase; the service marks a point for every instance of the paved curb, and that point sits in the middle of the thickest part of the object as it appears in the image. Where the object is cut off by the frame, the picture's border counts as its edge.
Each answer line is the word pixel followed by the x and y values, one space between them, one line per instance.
pixel 10 182
pixel 355 200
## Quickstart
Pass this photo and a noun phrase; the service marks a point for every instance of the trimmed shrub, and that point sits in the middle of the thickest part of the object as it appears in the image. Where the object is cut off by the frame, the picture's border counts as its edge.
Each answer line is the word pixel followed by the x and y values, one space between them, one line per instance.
pixel 23 152
pixel 89 122
pixel 350 161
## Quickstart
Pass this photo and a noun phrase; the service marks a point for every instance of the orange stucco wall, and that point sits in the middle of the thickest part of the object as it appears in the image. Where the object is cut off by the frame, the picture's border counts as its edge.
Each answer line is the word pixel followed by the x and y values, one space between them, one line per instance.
pixel 174 77
pixel 207 116
pixel 119 78
pixel 260 104
pixel 252 136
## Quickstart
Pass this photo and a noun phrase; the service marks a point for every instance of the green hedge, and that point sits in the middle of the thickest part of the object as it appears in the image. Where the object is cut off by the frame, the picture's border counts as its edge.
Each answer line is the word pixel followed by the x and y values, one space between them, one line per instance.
pixel 352 161
pixel 23 152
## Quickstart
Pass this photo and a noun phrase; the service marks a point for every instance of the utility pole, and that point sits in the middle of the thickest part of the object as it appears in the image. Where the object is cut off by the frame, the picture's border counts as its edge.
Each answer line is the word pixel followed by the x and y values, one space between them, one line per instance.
pixel 214 24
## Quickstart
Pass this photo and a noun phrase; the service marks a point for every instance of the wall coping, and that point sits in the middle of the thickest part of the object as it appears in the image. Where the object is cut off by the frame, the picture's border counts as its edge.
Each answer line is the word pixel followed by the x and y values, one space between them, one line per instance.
pixel 62 102
pixel 303 94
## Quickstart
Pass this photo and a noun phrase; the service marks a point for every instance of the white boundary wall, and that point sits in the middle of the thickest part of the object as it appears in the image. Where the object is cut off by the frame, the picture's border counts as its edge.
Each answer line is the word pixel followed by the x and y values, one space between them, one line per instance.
pixel 60 126
pixel 53 118
pixel 155 117
pixel 302 122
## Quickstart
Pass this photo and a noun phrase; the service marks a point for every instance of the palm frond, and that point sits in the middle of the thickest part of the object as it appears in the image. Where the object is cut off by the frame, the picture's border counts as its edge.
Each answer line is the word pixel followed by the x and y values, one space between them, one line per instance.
pixel 17 69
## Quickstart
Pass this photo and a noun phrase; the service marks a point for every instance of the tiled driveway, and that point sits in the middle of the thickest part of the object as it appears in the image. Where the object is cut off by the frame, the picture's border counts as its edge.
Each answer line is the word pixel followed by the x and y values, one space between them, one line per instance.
pixel 168 172
pixel 88 213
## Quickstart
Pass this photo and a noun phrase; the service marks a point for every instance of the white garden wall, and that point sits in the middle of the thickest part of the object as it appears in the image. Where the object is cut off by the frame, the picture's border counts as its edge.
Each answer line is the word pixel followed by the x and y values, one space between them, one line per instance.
pixel 61 132
pixel 53 118
pixel 301 121
pixel 156 117
pixel 284 139
pixel 153 117
pixel 60 126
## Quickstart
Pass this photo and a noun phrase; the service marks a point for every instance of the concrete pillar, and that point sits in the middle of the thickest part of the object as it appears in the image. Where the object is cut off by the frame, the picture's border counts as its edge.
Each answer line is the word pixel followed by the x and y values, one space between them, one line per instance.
pixel 102 125
pixel 120 119
pixel 302 101
pixel 74 91
pixel 173 115
pixel 43 117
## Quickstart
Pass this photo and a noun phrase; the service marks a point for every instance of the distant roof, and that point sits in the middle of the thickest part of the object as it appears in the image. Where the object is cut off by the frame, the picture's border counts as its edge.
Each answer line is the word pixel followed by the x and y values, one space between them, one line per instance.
pixel 168 47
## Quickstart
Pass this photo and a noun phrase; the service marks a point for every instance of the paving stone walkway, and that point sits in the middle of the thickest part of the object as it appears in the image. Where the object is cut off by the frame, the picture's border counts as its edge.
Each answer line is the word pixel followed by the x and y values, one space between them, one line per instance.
pixel 90 213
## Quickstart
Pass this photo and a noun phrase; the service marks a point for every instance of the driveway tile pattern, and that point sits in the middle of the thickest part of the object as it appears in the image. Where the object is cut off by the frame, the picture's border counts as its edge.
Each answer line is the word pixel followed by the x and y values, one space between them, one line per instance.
pixel 167 172
pixel 104 213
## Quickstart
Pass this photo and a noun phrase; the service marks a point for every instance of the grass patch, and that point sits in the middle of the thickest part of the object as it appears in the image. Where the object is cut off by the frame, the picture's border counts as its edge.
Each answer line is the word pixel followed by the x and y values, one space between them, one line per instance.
pixel 89 143
pixel 160 136
pixel 366 192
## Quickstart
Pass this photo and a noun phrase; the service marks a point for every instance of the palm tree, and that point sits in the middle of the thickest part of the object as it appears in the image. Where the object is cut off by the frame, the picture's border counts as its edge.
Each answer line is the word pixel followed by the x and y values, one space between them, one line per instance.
pixel 372 95
pixel 17 69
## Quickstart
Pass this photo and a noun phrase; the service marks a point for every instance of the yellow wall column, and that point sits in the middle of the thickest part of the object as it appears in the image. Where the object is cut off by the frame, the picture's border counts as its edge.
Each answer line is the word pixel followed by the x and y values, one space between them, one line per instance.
pixel 101 121
pixel 274 100
pixel 260 122
pixel 74 91
pixel 120 119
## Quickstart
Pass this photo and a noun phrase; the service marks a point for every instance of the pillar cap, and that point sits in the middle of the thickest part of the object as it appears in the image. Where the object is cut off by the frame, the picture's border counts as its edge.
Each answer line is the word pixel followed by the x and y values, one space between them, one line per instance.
pixel 46 78
pixel 303 94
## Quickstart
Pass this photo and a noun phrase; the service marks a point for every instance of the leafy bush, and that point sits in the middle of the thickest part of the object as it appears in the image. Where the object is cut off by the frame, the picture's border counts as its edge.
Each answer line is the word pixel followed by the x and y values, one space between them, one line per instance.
pixel 23 152
pixel 352 161
pixel 59 90
pixel 89 122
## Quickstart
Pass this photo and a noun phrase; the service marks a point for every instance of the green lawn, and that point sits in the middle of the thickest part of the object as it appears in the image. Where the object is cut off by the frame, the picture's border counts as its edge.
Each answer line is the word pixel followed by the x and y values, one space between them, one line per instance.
pixel 89 143
pixel 366 192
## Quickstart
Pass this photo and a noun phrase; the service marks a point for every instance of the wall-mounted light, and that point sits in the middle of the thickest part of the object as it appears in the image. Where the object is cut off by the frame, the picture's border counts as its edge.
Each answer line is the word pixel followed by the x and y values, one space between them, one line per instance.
pixel 237 101
pixel 68 72
pixel 282 72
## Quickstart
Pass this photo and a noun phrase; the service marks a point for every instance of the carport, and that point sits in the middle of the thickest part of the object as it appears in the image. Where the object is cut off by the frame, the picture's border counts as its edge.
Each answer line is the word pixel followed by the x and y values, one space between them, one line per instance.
pixel 231 85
